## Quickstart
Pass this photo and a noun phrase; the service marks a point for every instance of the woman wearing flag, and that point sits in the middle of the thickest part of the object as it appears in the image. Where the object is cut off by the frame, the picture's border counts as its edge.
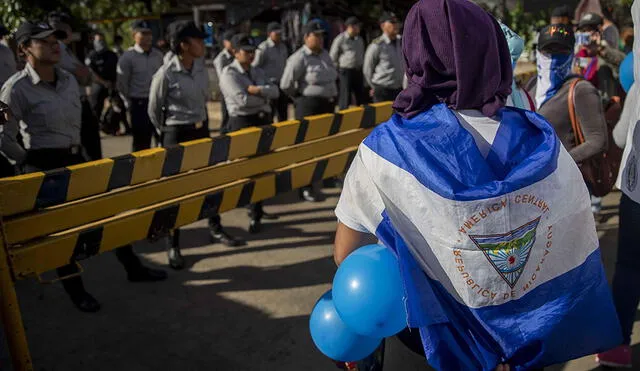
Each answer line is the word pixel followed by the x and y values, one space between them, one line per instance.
pixel 485 210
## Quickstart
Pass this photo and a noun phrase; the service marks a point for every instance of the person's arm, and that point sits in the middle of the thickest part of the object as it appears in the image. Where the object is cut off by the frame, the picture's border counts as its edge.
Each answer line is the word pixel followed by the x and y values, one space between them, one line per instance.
pixel 359 209
pixel 611 55
pixel 123 76
pixel 267 90
pixel 217 64
pixel 590 115
pixel 347 241
pixel 629 111
pixel 293 72
pixel 334 52
pixel 370 62
pixel 9 141
pixel 236 92
pixel 259 59
pixel 157 97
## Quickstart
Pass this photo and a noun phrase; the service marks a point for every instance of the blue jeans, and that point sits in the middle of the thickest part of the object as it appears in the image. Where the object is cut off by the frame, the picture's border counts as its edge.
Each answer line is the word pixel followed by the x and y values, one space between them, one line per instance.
pixel 626 280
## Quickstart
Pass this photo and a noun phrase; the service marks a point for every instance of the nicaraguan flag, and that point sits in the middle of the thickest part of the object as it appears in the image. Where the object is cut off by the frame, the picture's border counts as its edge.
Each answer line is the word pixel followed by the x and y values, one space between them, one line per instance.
pixel 496 243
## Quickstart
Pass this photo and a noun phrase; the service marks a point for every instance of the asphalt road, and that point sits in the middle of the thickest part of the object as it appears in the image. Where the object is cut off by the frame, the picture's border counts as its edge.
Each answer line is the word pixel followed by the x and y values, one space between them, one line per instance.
pixel 241 308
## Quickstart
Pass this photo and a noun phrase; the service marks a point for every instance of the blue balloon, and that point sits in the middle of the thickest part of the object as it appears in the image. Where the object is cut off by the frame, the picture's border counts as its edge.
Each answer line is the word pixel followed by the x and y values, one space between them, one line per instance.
pixel 626 72
pixel 368 291
pixel 333 338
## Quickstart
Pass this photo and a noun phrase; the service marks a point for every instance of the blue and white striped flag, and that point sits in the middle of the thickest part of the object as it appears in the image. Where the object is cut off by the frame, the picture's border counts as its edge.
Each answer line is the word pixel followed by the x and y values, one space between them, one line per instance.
pixel 496 242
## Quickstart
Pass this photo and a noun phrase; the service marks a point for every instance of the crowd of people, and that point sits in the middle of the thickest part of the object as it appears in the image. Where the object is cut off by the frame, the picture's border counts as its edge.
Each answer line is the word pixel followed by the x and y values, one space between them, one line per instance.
pixel 55 104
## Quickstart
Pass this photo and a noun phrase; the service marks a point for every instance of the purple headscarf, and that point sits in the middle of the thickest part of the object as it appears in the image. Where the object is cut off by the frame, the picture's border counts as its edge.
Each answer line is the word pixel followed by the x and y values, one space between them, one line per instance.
pixel 455 53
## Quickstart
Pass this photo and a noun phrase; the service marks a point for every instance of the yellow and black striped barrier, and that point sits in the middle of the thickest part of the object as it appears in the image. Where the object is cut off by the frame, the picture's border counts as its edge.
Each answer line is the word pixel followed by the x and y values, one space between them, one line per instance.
pixel 49 219
pixel 43 189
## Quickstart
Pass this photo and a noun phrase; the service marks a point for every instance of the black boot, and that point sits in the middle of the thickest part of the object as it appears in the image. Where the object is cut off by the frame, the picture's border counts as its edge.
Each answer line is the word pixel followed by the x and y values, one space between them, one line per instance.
pixel 255 226
pixel 269 216
pixel 85 302
pixel 223 237
pixel 176 261
pixel 75 289
pixel 309 195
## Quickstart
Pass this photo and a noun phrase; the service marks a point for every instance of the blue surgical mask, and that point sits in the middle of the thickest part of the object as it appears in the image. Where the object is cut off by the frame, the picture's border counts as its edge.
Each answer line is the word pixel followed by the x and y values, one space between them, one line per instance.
pixel 583 38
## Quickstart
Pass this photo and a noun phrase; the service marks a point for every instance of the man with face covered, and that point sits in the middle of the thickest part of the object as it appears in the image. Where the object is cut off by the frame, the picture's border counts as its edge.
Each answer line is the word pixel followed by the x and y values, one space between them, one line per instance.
pixel 103 63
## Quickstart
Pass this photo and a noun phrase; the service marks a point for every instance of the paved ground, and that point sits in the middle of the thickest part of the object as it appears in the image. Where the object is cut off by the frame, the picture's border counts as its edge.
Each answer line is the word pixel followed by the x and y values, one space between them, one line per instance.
pixel 232 309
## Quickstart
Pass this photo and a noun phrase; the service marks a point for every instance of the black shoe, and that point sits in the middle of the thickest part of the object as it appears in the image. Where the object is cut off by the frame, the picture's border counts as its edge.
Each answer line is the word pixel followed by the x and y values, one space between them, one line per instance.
pixel 224 238
pixel 269 216
pixel 176 261
pixel 85 302
pixel 255 226
pixel 146 274
pixel 310 196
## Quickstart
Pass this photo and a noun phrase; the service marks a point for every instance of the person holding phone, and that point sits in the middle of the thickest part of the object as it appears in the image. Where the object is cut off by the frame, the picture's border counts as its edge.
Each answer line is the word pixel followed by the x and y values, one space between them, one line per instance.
pixel 596 60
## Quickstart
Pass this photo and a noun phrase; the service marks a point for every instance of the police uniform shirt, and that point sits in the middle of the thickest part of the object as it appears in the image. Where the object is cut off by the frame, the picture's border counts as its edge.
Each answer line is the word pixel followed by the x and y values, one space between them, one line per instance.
pixel 347 52
pixel 234 83
pixel 383 63
pixel 135 71
pixel 49 115
pixel 271 58
pixel 310 74
pixel 7 63
pixel 70 63
pixel 199 67
pixel 178 96
pixel 222 60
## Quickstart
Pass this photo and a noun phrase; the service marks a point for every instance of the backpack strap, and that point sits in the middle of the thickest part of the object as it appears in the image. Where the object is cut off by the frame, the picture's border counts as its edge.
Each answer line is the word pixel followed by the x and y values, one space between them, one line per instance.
pixel 577 131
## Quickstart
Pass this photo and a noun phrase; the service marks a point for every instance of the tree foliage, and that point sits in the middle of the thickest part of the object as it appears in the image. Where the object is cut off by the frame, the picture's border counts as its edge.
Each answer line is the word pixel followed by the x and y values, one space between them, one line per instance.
pixel 12 12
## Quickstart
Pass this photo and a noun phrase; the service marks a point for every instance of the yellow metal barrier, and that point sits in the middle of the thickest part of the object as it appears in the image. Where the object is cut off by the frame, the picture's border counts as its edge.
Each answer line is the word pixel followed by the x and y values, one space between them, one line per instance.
pixel 51 218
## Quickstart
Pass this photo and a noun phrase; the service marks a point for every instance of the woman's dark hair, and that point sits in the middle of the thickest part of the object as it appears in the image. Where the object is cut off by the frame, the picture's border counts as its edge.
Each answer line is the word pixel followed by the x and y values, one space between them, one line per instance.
pixel 175 46
pixel 21 54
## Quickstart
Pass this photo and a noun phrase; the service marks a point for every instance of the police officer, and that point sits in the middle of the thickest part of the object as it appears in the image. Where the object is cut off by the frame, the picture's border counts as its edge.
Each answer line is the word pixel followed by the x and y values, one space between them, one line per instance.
pixel 310 78
pixel 90 133
pixel 347 53
pixel 271 56
pixel 45 99
pixel 222 60
pixel 177 109
pixel 7 68
pixel 247 92
pixel 383 64
pixel 135 71
pixel 7 58
pixel 104 64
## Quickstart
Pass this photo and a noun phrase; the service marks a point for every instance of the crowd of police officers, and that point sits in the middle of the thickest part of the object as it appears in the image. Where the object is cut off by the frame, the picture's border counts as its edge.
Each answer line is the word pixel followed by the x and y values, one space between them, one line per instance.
pixel 54 117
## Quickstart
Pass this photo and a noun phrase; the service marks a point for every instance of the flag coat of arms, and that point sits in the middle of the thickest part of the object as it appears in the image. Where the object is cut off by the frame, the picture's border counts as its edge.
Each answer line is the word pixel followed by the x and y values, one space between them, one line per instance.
pixel 498 251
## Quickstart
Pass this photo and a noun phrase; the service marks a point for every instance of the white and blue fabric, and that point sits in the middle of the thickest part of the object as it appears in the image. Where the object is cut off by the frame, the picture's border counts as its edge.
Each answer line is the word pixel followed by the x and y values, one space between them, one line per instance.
pixel 630 166
pixel 492 227
pixel 553 70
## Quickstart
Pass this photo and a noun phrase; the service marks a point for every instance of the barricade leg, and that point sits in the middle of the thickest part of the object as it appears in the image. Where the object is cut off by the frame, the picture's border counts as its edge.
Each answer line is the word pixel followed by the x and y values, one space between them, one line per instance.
pixel 11 316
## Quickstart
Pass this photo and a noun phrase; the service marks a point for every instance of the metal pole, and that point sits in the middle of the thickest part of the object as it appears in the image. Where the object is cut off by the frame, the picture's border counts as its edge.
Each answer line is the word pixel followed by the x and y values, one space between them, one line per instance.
pixel 10 312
